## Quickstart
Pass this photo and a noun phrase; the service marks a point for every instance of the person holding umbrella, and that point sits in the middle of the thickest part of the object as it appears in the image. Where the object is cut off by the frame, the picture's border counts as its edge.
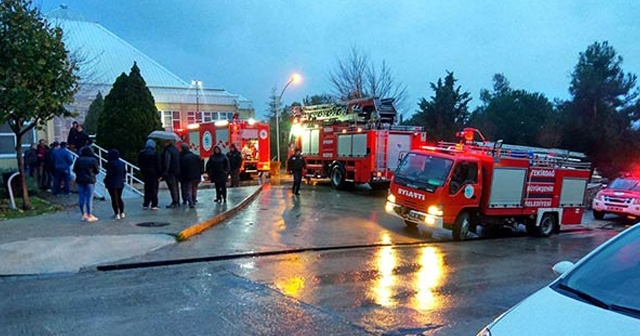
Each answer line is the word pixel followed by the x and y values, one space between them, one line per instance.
pixel 170 164
pixel 171 172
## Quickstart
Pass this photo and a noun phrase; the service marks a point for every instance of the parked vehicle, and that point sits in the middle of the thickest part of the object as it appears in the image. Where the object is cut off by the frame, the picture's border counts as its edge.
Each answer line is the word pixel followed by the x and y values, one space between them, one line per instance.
pixel 621 197
pixel 600 295
pixel 459 186
pixel 250 137
pixel 353 142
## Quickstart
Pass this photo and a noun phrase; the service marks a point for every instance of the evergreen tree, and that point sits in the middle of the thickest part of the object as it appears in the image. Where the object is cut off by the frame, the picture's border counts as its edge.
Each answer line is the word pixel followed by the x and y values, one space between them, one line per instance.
pixel 598 119
pixel 515 116
pixel 446 112
pixel 37 76
pixel 129 115
pixel 93 115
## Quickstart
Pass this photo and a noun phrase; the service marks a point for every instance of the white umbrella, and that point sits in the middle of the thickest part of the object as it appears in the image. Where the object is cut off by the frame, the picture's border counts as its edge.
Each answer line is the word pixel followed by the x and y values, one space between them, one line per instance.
pixel 164 135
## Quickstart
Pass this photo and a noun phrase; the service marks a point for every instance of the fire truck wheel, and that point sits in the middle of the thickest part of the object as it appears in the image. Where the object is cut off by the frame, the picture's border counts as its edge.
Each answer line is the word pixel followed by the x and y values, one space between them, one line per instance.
pixel 337 177
pixel 547 225
pixel 598 214
pixel 461 226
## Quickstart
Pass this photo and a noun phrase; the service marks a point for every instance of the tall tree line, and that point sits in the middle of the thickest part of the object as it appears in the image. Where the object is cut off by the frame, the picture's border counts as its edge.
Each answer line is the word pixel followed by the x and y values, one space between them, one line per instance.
pixel 597 120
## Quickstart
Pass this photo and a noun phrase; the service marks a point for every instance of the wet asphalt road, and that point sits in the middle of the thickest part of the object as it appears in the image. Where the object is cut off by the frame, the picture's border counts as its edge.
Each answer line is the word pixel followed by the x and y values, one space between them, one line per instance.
pixel 432 288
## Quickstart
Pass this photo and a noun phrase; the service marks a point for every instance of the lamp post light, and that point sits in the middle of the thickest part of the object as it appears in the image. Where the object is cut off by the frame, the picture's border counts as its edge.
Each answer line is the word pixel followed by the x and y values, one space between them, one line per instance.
pixel 295 78
pixel 197 84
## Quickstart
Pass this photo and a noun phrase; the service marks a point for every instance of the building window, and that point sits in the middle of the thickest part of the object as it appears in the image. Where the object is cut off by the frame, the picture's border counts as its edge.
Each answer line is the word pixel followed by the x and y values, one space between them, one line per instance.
pixel 8 141
pixel 225 115
pixel 194 117
pixel 170 120
pixel 208 116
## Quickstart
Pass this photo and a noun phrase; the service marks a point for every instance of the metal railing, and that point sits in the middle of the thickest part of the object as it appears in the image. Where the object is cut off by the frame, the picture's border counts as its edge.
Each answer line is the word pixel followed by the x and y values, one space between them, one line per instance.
pixel 131 170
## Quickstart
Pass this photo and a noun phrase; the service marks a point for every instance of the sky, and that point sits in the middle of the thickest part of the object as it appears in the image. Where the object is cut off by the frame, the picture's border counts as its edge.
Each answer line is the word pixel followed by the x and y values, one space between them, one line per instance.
pixel 249 47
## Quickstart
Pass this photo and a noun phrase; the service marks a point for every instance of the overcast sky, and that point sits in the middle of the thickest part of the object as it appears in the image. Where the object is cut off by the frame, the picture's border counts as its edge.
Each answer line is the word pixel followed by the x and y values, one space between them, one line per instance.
pixel 248 47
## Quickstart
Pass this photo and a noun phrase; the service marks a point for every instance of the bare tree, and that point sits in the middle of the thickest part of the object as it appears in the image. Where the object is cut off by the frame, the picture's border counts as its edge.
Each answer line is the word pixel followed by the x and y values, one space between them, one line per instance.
pixel 356 76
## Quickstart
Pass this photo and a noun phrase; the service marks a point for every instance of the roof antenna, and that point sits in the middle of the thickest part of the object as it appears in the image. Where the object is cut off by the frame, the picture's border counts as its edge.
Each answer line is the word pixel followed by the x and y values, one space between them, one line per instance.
pixel 63 6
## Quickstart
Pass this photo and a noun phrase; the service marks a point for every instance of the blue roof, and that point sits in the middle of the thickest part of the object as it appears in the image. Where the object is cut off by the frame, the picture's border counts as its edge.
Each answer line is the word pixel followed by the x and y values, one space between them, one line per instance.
pixel 104 56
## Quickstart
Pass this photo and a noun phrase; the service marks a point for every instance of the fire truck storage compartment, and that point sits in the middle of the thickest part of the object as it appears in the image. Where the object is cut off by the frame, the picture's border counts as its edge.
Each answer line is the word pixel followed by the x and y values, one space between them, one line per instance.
pixel 572 192
pixel 222 134
pixel 352 145
pixel 507 187
pixel 251 134
pixel 310 141
pixel 397 143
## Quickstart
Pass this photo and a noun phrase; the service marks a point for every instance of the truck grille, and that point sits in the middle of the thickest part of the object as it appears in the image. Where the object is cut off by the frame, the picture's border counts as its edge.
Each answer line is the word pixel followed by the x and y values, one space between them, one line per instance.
pixel 617 200
pixel 409 203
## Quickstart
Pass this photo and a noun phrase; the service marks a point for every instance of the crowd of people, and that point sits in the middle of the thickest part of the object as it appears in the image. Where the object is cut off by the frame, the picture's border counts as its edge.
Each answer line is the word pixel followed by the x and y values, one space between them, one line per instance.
pixel 181 170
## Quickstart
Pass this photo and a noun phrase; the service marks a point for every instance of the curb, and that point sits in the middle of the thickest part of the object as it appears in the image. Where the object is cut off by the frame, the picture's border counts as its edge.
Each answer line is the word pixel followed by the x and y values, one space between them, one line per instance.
pixel 201 227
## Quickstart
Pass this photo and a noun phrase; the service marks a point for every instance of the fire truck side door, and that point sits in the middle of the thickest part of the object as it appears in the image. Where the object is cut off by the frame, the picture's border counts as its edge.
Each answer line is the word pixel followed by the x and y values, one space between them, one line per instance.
pixel 465 185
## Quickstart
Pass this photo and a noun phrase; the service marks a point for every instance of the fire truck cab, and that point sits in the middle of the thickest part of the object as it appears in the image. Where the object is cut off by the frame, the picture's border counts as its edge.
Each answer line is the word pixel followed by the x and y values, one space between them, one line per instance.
pixel 460 186
pixel 353 142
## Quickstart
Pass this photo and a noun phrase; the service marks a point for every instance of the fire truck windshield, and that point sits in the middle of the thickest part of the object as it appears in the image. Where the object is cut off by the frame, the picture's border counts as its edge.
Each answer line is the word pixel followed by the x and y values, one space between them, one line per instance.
pixel 625 184
pixel 426 171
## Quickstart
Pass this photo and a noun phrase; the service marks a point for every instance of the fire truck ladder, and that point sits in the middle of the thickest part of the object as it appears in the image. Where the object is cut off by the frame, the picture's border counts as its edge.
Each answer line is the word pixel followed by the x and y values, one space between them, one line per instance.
pixel 538 157
pixel 353 111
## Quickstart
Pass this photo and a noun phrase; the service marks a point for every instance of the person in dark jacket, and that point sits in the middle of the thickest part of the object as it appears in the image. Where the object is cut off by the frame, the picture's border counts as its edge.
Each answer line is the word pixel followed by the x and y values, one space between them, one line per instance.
pixel 151 169
pixel 31 160
pixel 296 164
pixel 190 175
pixel 218 170
pixel 114 182
pixel 235 162
pixel 171 172
pixel 73 136
pixel 86 168
pixel 81 139
pixel 50 166
pixel 41 153
pixel 62 161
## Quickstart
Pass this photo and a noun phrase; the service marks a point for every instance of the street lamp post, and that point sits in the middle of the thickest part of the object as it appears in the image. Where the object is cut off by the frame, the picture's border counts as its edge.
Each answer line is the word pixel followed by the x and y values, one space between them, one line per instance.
pixel 197 84
pixel 295 78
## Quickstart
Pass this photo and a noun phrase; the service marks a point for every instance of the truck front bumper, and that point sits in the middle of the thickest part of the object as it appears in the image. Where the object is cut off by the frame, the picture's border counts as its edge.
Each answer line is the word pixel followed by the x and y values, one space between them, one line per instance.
pixel 616 208
pixel 414 216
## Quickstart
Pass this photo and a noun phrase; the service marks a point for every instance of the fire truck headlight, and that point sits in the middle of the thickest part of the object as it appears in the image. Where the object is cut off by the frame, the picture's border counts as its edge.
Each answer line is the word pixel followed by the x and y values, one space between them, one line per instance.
pixel 435 210
pixel 388 207
pixel 391 198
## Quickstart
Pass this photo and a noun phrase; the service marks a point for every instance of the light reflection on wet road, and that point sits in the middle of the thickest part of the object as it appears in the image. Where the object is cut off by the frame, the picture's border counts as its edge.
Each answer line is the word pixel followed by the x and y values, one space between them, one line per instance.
pixel 432 289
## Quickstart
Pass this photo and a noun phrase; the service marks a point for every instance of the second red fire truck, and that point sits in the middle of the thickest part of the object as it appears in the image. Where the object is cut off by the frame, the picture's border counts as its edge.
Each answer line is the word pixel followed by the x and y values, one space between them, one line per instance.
pixel 460 186
pixel 353 142
pixel 250 137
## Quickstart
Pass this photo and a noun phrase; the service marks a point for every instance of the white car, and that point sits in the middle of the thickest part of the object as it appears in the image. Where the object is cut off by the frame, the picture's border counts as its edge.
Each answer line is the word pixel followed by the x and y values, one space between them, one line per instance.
pixel 600 295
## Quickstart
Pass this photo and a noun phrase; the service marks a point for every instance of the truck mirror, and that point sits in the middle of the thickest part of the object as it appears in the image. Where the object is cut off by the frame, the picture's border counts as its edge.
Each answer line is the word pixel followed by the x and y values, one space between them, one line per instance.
pixel 401 155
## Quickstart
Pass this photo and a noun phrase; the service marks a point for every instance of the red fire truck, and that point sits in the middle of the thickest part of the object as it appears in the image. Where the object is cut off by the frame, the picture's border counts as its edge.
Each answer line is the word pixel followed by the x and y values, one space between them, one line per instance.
pixel 353 142
pixel 250 137
pixel 459 186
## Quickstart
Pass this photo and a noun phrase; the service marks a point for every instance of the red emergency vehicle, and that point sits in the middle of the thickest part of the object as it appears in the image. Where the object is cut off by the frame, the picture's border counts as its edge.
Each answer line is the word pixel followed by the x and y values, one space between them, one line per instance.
pixel 353 142
pixel 621 197
pixel 459 186
pixel 250 137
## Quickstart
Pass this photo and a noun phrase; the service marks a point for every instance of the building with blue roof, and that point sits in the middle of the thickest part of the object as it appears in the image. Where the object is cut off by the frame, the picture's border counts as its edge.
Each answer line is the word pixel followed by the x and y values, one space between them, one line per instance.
pixel 103 56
